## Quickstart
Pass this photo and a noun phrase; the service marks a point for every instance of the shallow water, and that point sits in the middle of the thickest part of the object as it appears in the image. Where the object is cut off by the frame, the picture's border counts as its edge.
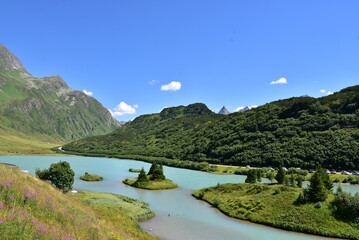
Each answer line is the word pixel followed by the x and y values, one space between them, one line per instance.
pixel 178 215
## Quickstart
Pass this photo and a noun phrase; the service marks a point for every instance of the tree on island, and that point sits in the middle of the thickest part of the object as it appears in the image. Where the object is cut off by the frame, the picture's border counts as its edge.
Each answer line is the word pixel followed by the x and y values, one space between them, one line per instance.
pixel 142 178
pixel 59 174
pixel 254 176
pixel 153 167
pixel 319 186
pixel 280 177
pixel 157 173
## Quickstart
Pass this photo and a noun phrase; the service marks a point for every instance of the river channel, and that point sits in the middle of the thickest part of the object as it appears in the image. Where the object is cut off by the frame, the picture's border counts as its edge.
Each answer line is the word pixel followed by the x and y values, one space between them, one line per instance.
pixel 178 215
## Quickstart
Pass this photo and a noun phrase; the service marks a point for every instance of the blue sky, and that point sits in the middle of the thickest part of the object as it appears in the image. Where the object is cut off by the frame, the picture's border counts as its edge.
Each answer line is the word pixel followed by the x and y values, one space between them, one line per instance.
pixel 215 52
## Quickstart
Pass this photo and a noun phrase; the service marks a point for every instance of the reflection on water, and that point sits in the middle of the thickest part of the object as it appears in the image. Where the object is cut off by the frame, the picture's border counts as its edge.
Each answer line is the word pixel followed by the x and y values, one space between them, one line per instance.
pixel 178 215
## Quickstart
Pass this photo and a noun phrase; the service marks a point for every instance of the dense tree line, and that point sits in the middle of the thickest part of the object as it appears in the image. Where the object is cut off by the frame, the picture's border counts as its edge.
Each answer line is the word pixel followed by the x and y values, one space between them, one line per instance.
pixel 299 132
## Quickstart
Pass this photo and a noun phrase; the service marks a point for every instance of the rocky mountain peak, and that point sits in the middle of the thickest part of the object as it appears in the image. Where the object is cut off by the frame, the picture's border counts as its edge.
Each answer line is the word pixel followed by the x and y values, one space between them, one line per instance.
pixel 9 62
pixel 224 111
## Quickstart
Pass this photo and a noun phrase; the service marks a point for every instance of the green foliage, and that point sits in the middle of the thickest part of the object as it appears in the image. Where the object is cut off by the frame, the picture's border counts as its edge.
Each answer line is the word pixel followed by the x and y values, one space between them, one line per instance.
pixel 153 167
pixel 157 173
pixel 59 174
pixel 319 187
pixel 275 205
pixel 91 177
pixel 346 207
pixel 298 132
pixel 280 177
pixel 142 177
pixel 151 185
pixel 254 176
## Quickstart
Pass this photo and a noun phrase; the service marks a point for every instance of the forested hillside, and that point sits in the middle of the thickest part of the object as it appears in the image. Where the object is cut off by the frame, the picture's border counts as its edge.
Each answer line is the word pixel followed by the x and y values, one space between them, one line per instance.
pixel 298 132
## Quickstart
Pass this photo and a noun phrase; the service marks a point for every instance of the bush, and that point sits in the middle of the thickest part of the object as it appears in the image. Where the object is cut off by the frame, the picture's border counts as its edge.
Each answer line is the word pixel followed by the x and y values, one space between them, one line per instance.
pixel 345 206
pixel 59 174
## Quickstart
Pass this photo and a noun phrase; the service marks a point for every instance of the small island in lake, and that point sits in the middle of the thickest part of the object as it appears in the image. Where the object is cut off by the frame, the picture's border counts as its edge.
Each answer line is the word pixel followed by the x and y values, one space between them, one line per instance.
pixel 154 180
pixel 91 177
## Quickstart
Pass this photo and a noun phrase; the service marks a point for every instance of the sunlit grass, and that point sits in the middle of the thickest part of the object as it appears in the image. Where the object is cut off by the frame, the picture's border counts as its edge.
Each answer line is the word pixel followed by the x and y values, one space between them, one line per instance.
pixel 152 185
pixel 17 144
pixel 33 209
pixel 274 205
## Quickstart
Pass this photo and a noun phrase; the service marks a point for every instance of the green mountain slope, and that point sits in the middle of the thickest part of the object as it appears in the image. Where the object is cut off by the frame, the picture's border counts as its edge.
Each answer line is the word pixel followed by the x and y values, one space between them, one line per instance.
pixel 46 108
pixel 298 132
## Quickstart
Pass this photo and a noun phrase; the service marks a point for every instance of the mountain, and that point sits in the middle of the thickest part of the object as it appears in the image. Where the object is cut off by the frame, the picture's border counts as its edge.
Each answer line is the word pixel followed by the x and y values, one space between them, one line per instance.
pixel 245 109
pixel 46 109
pixel 223 111
pixel 295 132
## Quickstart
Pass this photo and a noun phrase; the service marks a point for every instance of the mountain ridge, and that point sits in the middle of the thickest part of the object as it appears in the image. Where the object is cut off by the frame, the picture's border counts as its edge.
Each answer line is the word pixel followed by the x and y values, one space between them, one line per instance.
pixel 47 106
pixel 299 132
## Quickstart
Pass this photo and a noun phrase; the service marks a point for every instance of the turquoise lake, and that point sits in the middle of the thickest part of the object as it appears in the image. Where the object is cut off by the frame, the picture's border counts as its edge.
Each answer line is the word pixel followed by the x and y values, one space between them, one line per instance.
pixel 178 215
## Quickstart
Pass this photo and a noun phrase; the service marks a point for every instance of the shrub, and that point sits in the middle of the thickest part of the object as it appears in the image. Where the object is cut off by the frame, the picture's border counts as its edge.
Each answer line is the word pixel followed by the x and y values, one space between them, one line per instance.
pixel 59 174
pixel 345 206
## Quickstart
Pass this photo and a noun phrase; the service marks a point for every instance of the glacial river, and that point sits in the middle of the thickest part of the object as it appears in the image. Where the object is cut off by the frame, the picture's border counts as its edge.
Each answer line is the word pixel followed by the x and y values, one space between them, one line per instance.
pixel 178 215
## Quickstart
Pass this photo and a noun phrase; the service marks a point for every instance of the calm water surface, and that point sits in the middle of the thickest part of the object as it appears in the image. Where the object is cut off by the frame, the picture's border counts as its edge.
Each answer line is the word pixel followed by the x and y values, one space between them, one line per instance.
pixel 178 215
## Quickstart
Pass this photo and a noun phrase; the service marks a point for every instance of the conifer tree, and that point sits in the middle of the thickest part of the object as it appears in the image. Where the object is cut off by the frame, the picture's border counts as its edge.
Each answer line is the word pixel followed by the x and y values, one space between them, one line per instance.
pixel 154 166
pixel 142 177
pixel 251 176
pixel 280 177
pixel 317 190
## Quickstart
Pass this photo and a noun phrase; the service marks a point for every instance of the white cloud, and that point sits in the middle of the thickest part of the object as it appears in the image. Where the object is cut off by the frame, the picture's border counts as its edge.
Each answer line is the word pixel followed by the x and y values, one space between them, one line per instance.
pixel 239 108
pixel 326 92
pixel 172 86
pixel 250 107
pixel 123 109
pixel 279 81
pixel 153 82
pixel 88 93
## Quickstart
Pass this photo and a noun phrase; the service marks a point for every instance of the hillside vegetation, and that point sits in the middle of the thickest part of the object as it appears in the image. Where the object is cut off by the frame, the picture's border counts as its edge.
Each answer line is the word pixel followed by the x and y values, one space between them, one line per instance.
pixel 276 205
pixel 297 132
pixel 33 209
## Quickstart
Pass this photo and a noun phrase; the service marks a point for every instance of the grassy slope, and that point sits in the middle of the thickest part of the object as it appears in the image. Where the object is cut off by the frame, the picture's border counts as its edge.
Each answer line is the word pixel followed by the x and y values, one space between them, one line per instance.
pixel 15 143
pixel 153 185
pixel 30 118
pixel 274 205
pixel 33 209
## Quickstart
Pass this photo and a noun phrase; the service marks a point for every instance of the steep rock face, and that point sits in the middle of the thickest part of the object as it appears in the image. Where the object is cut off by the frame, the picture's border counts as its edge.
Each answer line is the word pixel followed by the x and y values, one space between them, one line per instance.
pixel 8 62
pixel 224 111
pixel 47 105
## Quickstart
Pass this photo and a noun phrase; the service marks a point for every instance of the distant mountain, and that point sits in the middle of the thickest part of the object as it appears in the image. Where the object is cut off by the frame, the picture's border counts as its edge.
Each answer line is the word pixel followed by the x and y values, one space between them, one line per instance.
pixel 223 111
pixel 245 109
pixel 295 132
pixel 46 107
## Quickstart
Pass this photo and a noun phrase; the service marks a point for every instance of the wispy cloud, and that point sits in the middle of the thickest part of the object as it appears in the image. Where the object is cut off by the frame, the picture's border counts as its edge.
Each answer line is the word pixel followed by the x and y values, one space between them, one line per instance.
pixel 153 82
pixel 88 93
pixel 279 81
pixel 123 109
pixel 322 90
pixel 172 86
